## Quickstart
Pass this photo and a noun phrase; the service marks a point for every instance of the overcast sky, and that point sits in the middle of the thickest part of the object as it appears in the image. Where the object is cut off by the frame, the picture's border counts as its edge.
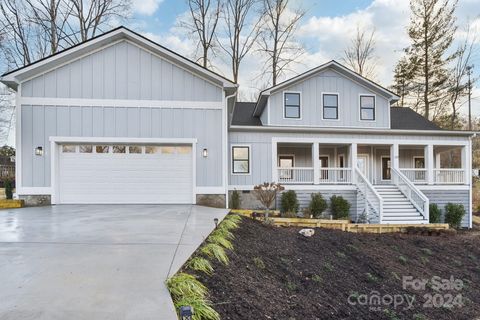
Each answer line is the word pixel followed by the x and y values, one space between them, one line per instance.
pixel 325 31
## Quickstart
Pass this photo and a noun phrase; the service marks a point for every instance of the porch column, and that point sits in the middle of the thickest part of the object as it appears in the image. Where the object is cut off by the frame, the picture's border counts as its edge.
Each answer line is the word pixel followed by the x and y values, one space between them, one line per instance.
pixel 465 166
pixel 353 160
pixel 394 156
pixel 316 163
pixel 274 162
pixel 429 163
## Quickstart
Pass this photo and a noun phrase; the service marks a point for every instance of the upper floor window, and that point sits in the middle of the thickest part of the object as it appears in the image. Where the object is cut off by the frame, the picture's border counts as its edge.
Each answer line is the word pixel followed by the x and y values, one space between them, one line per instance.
pixel 330 106
pixel 240 159
pixel 367 107
pixel 291 105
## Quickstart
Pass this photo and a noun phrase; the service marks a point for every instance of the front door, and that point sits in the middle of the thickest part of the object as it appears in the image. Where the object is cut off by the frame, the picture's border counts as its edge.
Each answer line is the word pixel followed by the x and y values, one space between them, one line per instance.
pixel 362 164
pixel 323 164
pixel 419 163
pixel 386 165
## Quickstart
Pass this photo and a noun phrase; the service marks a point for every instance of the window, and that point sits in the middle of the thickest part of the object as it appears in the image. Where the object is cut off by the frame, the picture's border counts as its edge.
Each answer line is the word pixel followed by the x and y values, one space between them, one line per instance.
pixel 291 105
pixel 184 150
pixel 330 106
pixel 152 149
pixel 241 159
pixel 86 148
pixel 101 149
pixel 119 149
pixel 134 149
pixel 367 108
pixel 168 150
pixel 68 148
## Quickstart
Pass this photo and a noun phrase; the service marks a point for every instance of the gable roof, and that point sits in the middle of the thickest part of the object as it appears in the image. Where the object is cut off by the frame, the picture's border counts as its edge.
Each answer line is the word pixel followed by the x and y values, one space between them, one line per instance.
pixel 401 118
pixel 14 77
pixel 262 99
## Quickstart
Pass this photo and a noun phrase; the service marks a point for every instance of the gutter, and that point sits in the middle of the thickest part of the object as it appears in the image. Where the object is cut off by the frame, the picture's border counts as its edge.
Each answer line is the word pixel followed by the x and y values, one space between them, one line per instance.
pixel 227 122
pixel 352 130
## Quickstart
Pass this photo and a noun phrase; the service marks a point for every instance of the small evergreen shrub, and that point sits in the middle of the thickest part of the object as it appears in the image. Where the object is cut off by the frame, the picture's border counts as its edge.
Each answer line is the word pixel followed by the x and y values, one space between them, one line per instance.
pixel 235 200
pixel 339 206
pixel 289 203
pixel 317 205
pixel 435 213
pixel 8 184
pixel 454 214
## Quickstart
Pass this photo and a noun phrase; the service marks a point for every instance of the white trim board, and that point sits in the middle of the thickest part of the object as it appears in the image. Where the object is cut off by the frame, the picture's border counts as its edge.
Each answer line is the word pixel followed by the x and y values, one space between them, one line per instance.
pixel 171 104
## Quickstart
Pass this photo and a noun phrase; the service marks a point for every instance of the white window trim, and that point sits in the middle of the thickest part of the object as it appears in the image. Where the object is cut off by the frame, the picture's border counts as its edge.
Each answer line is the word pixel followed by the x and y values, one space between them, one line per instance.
pixel 328 159
pixel 360 95
pixel 381 168
pixel 338 159
pixel 249 159
pixel 300 107
pixel 338 106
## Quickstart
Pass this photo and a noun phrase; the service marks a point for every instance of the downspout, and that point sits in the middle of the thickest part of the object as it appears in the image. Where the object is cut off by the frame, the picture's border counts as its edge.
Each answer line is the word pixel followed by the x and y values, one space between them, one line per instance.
pixel 226 172
pixel 470 223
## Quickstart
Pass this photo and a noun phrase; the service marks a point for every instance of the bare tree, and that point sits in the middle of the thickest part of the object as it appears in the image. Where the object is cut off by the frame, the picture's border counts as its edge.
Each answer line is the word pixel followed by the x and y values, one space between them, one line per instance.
pixel 276 39
pixel 242 30
pixel 92 15
pixel 458 83
pixel 202 23
pixel 360 54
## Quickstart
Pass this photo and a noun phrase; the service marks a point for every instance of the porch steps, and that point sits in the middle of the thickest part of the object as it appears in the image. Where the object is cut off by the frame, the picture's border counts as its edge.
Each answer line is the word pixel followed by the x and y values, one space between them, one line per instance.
pixel 397 209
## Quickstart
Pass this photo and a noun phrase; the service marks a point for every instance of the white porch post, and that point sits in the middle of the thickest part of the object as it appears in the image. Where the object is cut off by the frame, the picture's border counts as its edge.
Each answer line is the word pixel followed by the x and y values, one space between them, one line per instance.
pixel 274 162
pixel 465 164
pixel 353 160
pixel 316 163
pixel 429 163
pixel 394 157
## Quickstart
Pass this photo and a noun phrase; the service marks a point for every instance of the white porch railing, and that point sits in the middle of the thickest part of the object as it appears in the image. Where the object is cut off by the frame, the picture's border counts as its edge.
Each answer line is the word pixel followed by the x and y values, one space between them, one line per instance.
pixel 373 202
pixel 300 175
pixel 449 176
pixel 335 175
pixel 415 175
pixel 416 197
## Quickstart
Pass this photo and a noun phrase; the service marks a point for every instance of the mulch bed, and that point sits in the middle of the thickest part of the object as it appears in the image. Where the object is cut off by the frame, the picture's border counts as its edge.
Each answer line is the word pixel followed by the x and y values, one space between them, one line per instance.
pixel 275 273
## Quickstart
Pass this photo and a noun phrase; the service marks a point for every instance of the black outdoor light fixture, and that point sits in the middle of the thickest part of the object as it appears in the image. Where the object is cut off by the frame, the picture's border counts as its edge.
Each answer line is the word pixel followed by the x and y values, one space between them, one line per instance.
pixel 39 151
pixel 216 222
pixel 205 153
pixel 186 313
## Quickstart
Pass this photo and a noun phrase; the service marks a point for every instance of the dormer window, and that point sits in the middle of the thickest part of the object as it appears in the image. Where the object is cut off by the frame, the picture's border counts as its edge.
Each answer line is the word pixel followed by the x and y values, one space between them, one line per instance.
pixel 291 105
pixel 330 106
pixel 367 107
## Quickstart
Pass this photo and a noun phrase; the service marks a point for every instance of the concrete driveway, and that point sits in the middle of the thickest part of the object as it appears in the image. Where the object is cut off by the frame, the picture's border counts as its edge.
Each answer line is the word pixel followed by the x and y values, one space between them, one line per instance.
pixel 96 261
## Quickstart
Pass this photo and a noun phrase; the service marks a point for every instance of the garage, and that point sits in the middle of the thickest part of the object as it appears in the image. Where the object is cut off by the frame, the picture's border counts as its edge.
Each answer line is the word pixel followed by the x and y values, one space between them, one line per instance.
pixel 124 173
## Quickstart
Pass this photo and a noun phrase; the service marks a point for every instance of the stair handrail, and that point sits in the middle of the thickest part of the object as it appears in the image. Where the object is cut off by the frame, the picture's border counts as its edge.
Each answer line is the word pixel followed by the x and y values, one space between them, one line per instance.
pixel 410 192
pixel 367 183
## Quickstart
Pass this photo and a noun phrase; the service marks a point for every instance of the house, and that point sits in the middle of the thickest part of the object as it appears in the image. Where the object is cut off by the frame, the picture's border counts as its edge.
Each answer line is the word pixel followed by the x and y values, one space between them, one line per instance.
pixel 330 130
pixel 120 119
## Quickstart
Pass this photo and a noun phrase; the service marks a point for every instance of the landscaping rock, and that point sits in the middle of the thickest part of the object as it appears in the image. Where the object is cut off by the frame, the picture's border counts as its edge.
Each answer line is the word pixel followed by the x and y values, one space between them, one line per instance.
pixel 307 232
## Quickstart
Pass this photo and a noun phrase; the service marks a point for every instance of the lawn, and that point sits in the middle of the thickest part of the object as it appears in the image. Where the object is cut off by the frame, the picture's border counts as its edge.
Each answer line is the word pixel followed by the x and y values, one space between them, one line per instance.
pixel 275 273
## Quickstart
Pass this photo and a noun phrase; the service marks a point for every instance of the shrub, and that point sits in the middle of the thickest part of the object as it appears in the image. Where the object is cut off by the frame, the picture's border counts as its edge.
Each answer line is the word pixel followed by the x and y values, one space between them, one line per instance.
pixel 235 200
pixel 8 184
pixel 200 264
pixel 317 205
pixel 339 206
pixel 289 202
pixel 266 194
pixel 454 214
pixel 435 213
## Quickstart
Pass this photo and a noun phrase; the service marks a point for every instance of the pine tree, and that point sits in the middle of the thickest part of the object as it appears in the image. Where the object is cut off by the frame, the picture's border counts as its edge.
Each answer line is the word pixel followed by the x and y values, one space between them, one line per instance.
pixel 431 31
pixel 402 80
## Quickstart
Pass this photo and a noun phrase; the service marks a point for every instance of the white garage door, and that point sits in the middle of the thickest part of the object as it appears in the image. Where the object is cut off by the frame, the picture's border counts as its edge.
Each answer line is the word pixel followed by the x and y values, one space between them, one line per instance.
pixel 97 173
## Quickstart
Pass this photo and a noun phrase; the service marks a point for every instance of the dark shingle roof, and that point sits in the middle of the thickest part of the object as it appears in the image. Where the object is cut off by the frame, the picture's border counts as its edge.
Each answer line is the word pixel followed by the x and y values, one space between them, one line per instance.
pixel 400 118
pixel 407 119
pixel 243 114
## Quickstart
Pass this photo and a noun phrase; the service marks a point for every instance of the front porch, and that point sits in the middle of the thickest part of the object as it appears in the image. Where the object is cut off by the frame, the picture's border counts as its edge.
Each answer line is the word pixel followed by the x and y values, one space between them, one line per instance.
pixel 388 178
pixel 323 164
